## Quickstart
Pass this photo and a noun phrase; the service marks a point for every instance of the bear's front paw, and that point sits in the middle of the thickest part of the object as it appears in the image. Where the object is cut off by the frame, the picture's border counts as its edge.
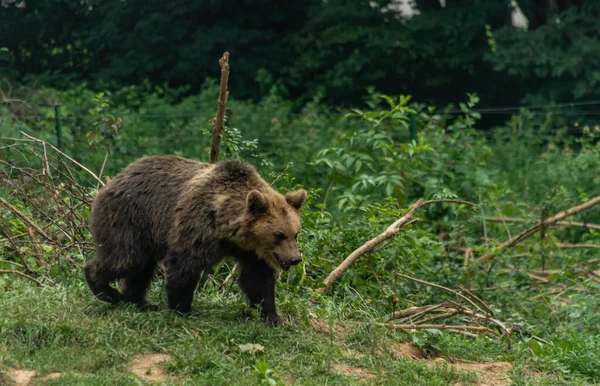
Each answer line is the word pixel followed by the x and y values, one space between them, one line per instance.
pixel 272 319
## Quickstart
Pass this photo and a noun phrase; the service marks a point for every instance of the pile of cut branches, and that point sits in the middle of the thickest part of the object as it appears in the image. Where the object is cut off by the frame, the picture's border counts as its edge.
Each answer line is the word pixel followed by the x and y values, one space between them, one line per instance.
pixel 44 208
pixel 466 315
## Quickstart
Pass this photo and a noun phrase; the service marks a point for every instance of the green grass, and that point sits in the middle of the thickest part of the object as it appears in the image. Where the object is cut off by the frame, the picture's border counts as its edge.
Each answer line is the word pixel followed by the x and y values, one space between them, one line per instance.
pixel 65 330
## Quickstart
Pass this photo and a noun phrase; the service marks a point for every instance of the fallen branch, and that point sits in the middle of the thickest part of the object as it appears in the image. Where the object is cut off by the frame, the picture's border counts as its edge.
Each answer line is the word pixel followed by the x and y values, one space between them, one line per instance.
pixel 487 313
pixel 450 327
pixel 449 309
pixel 411 311
pixel 580 245
pixel 433 318
pixel 547 222
pixel 24 218
pixel 19 273
pixel 562 223
pixel 444 311
pixel 12 262
pixel 550 272
pixel 505 329
pixel 15 247
pixel 390 232
pixel 8 239
pixel 532 274
pixel 218 120
pixel 450 201
pixel 475 298
pixel 458 294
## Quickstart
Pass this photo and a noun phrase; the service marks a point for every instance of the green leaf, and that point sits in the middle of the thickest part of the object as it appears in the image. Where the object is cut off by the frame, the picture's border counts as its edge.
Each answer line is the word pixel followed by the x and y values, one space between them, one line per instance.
pixel 389 189
pixel 535 347
pixel 358 165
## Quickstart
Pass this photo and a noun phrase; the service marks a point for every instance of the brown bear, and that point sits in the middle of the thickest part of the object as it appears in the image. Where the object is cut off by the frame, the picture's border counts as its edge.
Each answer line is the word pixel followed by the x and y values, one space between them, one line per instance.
pixel 192 215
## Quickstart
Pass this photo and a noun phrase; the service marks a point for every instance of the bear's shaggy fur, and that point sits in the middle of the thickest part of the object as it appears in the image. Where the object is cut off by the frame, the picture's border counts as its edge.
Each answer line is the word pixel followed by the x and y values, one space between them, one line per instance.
pixel 192 215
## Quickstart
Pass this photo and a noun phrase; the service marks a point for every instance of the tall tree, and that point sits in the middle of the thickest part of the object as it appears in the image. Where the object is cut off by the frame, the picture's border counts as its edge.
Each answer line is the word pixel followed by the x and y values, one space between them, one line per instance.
pixel 557 61
pixel 539 11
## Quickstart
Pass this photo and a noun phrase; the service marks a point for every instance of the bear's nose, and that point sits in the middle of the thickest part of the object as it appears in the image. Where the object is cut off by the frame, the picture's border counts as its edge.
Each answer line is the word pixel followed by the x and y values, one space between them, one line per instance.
pixel 296 260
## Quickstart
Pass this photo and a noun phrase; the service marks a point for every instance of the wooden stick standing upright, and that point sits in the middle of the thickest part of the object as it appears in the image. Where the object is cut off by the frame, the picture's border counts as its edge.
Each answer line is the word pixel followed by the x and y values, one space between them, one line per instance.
pixel 217 132
pixel 218 120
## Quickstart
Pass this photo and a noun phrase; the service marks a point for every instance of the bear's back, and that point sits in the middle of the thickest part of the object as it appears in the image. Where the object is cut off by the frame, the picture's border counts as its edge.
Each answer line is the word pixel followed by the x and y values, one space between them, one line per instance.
pixel 212 201
pixel 141 198
pixel 236 174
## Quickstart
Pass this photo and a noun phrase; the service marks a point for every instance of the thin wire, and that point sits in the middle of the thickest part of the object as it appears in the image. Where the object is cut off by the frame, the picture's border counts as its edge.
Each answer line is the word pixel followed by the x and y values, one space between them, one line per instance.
pixel 175 116
pixel 504 109
pixel 507 109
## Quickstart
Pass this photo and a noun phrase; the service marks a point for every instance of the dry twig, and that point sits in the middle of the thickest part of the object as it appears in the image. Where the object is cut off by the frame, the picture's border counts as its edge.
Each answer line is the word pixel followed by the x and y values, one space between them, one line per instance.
pixel 56 198
pixel 218 120
pixel 482 312
pixel 579 245
pixel 444 311
pixel 64 155
pixel 546 223
pixel 229 277
pixel 450 327
pixel 21 274
pixel 486 312
pixel 24 218
pixel 561 223
pixel 458 294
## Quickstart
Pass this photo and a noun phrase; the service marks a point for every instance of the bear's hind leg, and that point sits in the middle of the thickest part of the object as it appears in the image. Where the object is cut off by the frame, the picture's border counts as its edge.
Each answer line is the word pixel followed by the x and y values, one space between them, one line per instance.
pixel 182 279
pixel 257 280
pixel 99 276
pixel 136 286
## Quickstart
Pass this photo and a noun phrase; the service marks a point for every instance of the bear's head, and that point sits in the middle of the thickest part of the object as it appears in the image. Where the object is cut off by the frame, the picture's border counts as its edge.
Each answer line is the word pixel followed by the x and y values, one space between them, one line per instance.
pixel 274 226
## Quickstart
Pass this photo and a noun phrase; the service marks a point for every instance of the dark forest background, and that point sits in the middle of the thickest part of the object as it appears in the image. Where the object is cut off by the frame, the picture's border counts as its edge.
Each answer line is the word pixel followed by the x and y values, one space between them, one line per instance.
pixel 312 49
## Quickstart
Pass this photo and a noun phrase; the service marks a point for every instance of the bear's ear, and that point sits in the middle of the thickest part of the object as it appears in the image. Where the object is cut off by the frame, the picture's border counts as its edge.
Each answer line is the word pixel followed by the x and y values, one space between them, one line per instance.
pixel 296 199
pixel 256 202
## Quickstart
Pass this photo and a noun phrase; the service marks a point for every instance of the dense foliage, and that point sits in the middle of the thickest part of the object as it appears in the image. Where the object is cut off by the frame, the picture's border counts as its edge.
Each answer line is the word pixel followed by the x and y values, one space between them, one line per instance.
pixel 309 49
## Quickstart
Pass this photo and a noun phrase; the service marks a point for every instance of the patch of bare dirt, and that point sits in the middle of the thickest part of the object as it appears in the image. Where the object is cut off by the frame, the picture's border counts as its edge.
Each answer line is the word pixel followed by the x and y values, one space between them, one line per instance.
pixel 21 377
pixel 146 367
pixel 354 372
pixel 405 350
pixel 323 329
pixel 52 376
pixel 488 374
pixel 397 351
pixel 530 373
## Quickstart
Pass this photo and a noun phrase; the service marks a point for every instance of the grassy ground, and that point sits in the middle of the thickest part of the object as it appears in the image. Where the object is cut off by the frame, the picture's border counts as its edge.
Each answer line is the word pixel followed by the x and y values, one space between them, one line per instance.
pixel 63 330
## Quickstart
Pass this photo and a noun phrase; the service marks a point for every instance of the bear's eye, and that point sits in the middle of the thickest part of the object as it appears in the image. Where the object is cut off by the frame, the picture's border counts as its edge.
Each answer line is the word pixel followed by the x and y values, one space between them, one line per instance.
pixel 279 236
